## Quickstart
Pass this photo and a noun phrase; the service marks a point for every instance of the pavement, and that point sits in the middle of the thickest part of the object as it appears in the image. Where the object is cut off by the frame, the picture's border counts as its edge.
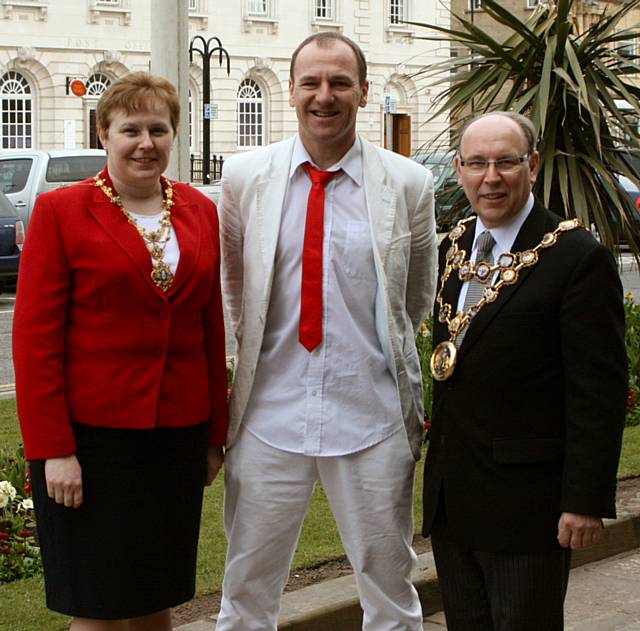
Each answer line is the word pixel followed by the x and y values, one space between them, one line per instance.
pixel 603 595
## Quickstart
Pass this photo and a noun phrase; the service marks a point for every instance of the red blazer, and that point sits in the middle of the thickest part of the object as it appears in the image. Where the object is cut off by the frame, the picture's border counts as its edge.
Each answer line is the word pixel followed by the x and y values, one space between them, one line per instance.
pixel 96 342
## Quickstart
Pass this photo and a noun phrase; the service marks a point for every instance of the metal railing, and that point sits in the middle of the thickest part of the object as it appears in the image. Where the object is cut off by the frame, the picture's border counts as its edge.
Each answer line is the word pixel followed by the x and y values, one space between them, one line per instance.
pixel 215 165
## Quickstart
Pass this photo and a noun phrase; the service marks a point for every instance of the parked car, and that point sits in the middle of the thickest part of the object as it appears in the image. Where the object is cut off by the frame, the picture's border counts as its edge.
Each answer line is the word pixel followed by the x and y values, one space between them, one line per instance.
pixel 26 174
pixel 631 189
pixel 447 192
pixel 11 238
pixel 633 208
pixel 212 191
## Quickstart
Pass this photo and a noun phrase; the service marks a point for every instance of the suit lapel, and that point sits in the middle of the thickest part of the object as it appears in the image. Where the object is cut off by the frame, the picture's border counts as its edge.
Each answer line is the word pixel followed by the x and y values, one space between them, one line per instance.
pixel 186 223
pixel 528 237
pixel 271 188
pixel 115 224
pixel 380 198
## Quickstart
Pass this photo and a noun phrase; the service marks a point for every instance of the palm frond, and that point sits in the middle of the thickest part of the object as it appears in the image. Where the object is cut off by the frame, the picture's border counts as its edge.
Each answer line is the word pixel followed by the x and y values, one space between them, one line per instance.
pixel 578 89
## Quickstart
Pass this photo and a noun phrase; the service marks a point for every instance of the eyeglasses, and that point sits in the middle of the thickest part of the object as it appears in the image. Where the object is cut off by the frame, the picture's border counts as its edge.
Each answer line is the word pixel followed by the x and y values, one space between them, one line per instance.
pixel 478 166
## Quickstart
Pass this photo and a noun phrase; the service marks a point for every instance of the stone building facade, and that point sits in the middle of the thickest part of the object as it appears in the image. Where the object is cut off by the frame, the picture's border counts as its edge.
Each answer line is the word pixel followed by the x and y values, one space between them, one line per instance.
pixel 46 44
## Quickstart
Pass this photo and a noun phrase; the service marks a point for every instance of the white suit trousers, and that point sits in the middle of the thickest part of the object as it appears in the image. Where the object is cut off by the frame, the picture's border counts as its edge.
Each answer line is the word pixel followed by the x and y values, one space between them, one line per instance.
pixel 267 493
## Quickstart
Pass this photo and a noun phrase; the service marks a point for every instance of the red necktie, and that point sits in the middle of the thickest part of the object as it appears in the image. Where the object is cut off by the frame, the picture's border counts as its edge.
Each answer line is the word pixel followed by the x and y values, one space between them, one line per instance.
pixel 311 290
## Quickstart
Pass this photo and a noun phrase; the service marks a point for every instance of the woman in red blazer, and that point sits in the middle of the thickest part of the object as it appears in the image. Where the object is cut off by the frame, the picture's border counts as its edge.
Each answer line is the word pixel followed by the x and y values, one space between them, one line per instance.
pixel 119 354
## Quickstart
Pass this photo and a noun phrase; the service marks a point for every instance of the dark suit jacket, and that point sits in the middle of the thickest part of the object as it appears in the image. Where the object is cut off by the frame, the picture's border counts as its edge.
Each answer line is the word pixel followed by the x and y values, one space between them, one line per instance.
pixel 96 342
pixel 530 423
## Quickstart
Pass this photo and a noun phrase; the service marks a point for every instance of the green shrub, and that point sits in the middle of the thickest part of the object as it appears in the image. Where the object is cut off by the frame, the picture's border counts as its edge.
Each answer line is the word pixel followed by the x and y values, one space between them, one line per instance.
pixel 19 554
pixel 632 340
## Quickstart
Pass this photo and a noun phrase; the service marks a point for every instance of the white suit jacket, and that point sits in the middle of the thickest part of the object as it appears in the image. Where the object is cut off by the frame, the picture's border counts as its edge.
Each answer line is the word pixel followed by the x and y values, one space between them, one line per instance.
pixel 399 195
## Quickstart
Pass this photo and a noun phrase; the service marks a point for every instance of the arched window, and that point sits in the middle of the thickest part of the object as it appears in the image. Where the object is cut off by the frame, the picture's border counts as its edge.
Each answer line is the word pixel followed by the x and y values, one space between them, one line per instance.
pixel 250 115
pixel 97 84
pixel 16 107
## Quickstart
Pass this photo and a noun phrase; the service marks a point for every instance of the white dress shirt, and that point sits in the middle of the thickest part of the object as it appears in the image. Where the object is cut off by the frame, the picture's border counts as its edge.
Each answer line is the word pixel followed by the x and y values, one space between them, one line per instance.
pixel 504 237
pixel 340 398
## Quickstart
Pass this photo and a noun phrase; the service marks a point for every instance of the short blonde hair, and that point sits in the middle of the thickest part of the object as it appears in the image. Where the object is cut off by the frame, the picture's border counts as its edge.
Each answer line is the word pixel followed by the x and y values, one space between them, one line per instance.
pixel 136 92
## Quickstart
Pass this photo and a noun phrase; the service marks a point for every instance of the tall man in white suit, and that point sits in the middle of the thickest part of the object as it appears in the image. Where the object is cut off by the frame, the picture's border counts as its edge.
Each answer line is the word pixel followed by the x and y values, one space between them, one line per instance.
pixel 344 404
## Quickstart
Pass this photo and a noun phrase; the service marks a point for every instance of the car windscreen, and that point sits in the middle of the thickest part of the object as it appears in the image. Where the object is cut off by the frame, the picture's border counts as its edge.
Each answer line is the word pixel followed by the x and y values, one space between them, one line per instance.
pixel 74 168
pixel 14 174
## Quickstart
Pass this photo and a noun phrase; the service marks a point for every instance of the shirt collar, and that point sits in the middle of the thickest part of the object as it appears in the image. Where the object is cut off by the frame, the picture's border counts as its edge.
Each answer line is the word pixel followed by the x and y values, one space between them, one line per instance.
pixel 350 163
pixel 506 234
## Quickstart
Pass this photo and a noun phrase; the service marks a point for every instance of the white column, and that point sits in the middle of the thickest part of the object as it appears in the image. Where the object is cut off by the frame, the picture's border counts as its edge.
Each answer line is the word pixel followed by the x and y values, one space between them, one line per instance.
pixel 170 59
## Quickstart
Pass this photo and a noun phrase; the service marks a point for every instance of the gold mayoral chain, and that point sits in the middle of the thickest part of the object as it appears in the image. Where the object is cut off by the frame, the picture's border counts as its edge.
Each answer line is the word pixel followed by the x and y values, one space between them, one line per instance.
pixel 508 266
pixel 156 240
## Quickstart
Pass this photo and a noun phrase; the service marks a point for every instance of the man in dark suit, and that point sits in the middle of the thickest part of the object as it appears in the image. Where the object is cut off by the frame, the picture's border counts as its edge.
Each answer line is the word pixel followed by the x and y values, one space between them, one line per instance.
pixel 530 391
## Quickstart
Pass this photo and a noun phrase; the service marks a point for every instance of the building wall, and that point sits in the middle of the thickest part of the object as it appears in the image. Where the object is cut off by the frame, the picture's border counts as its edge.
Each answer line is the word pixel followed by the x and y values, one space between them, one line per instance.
pixel 51 42
pixel 585 12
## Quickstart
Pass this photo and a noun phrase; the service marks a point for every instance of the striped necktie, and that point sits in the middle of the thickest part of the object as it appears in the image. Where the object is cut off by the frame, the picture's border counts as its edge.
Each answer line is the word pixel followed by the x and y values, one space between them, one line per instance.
pixel 475 288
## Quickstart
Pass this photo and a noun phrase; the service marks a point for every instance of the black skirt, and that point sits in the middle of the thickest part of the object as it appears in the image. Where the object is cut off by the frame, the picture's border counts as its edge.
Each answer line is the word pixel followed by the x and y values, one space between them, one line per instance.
pixel 130 549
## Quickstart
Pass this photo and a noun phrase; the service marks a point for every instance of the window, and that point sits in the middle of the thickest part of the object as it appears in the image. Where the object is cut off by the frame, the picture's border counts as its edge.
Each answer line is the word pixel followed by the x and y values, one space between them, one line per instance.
pixel 16 107
pixel 397 11
pixel 110 8
pixel 258 7
pixel 73 168
pixel 193 5
pixel 475 5
pixel 14 174
pixel 324 9
pixel 532 4
pixel 250 115
pixel 97 84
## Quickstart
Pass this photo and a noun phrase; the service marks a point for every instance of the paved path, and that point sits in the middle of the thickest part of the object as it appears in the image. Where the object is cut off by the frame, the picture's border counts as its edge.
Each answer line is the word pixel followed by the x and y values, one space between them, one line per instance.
pixel 602 596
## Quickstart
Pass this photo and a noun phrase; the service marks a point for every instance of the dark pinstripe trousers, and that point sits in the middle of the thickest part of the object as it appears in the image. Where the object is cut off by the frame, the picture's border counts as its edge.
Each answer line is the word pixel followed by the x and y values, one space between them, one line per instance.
pixel 490 591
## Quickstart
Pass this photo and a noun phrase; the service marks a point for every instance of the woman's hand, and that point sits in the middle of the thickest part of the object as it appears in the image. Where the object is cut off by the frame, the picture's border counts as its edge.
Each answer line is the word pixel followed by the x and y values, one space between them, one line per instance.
pixel 215 459
pixel 64 480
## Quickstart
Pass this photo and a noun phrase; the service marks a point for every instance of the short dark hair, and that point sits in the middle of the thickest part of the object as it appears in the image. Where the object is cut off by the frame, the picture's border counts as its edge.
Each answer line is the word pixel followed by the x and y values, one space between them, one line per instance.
pixel 135 92
pixel 527 127
pixel 327 38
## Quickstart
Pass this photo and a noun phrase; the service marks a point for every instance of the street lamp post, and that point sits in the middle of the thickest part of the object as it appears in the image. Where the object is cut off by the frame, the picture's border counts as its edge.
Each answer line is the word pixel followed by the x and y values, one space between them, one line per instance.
pixel 207 51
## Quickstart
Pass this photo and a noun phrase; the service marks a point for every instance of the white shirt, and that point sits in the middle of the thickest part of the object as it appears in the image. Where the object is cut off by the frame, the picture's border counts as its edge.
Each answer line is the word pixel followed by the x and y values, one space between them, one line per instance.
pixel 151 223
pixel 504 237
pixel 340 398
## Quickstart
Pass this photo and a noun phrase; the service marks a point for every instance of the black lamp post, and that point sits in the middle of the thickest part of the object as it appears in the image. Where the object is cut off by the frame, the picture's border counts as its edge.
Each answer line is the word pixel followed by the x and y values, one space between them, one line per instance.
pixel 206 51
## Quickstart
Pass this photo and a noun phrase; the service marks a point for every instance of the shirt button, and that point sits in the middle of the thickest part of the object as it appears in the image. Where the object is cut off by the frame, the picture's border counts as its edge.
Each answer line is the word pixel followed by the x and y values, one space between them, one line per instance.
pixel 314 393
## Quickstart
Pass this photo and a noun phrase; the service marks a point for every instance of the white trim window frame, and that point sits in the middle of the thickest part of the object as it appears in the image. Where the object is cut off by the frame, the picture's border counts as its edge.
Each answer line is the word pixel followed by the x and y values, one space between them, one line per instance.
pixel 260 8
pixel 324 10
pixel 532 4
pixel 250 115
pixel 475 5
pixel 398 10
pixel 16 111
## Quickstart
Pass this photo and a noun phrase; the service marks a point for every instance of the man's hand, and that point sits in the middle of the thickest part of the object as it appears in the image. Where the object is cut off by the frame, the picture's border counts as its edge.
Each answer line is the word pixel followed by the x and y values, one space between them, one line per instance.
pixel 577 531
pixel 64 480
pixel 215 459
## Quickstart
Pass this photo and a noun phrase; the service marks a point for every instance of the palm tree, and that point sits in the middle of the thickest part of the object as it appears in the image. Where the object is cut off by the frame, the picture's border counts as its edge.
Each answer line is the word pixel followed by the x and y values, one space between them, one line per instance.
pixel 572 85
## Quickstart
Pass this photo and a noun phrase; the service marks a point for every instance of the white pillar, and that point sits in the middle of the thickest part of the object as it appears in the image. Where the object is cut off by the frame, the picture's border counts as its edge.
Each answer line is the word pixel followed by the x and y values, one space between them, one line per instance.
pixel 170 59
